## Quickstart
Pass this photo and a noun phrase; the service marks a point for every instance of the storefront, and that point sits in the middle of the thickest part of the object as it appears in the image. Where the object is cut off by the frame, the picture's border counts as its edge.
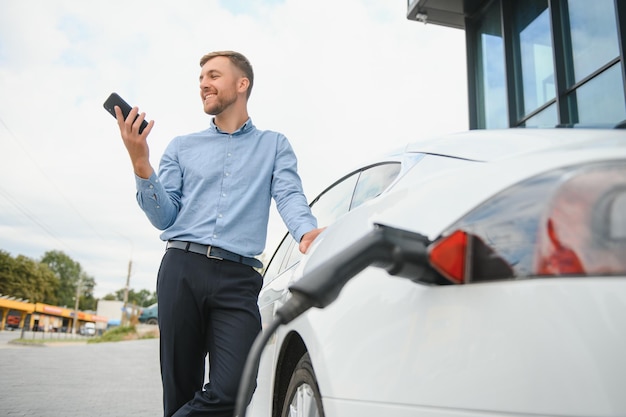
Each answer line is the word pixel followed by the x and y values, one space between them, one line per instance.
pixel 59 319
pixel 14 312
pixel 42 317
pixel 538 63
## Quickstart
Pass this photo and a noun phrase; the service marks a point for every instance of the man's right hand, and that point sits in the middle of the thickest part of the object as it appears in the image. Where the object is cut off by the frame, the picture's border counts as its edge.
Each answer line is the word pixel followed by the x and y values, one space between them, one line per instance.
pixel 136 143
pixel 308 238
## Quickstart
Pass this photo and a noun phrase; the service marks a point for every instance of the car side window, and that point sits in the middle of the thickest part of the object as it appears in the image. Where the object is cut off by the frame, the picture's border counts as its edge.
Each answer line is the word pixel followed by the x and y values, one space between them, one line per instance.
pixel 373 181
pixel 293 255
pixel 335 201
pixel 327 207
pixel 344 195
pixel 274 267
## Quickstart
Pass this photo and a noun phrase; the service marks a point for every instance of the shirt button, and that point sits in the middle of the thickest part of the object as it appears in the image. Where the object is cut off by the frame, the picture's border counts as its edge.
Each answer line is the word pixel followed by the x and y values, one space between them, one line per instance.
pixel 151 186
pixel 219 215
pixel 158 207
pixel 229 154
pixel 214 236
pixel 227 174
pixel 223 194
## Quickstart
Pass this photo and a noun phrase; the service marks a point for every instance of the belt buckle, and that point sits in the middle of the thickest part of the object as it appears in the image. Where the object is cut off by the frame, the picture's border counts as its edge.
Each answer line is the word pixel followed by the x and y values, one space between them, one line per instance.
pixel 208 254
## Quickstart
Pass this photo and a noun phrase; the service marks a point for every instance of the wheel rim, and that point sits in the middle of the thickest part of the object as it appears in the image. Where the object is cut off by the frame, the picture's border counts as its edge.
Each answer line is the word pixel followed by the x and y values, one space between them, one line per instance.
pixel 303 403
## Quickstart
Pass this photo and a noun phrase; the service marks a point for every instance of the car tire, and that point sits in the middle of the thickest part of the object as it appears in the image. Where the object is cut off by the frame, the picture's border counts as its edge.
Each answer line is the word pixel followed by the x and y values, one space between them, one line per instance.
pixel 303 395
pixel 152 321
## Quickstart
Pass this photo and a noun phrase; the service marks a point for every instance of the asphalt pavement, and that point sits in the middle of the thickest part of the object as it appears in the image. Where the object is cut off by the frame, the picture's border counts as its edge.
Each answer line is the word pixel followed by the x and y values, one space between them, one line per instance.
pixel 80 380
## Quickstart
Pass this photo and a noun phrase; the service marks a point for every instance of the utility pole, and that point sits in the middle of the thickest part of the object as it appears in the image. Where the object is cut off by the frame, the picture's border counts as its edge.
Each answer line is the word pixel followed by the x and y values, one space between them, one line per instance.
pixel 124 320
pixel 75 322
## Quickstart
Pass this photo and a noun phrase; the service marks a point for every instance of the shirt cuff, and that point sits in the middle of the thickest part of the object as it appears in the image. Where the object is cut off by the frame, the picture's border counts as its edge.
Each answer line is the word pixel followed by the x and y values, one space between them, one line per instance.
pixel 146 184
pixel 303 230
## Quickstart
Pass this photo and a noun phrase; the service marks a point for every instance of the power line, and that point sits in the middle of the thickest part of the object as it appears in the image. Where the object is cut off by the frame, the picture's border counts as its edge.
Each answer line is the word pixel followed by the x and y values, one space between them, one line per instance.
pixel 57 189
pixel 28 214
pixel 32 217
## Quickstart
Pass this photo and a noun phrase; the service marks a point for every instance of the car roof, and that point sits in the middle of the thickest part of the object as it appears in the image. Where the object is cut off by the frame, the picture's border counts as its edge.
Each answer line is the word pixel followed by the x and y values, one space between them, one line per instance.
pixel 495 144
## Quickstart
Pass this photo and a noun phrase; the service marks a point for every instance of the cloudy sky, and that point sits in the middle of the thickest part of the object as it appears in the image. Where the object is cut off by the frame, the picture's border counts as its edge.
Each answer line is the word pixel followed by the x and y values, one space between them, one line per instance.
pixel 344 80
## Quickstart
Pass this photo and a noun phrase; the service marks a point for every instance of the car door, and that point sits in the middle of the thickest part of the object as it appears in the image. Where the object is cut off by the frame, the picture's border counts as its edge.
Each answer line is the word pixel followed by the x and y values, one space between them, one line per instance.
pixel 338 199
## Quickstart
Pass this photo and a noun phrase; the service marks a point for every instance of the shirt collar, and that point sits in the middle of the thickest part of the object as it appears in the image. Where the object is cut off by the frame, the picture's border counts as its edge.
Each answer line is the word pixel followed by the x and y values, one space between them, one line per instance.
pixel 245 128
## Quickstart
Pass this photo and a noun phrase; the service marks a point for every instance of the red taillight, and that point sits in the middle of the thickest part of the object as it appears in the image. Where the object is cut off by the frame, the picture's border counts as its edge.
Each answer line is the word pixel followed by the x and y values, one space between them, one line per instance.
pixel 584 224
pixel 559 259
pixel 449 256
pixel 463 257
pixel 569 221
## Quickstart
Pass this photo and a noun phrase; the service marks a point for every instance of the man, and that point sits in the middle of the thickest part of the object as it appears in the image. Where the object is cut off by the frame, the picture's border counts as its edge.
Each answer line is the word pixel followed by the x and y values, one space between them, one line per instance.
pixel 211 198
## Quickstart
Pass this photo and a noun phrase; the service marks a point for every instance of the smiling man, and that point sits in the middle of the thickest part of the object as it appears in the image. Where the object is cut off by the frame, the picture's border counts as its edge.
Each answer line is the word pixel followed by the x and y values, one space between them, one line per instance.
pixel 211 199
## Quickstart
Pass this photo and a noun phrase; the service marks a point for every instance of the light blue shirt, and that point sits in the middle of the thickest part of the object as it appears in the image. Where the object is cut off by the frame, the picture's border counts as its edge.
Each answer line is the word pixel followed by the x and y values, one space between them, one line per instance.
pixel 215 188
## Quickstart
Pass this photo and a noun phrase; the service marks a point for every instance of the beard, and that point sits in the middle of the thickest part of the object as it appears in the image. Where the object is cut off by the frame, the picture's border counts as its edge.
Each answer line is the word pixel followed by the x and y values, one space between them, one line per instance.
pixel 219 104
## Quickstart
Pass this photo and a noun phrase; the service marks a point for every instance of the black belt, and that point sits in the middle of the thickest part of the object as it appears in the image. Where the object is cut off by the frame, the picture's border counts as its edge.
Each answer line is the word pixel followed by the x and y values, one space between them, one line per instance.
pixel 214 253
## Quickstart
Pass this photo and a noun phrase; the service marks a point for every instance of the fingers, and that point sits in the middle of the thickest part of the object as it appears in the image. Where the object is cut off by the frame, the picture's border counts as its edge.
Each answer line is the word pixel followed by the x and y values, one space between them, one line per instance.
pixel 308 239
pixel 131 119
pixel 148 128
pixel 119 116
pixel 133 122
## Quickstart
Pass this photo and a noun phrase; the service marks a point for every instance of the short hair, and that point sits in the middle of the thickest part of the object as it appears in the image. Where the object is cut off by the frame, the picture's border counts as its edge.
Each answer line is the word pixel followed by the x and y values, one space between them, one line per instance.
pixel 238 60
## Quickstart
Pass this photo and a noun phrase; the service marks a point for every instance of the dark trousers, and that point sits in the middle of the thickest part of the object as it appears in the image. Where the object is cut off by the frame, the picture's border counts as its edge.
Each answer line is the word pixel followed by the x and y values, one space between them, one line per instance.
pixel 206 306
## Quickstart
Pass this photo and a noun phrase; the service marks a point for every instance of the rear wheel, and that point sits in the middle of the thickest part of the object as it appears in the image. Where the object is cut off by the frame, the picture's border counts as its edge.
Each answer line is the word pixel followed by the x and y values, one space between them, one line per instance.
pixel 152 321
pixel 303 397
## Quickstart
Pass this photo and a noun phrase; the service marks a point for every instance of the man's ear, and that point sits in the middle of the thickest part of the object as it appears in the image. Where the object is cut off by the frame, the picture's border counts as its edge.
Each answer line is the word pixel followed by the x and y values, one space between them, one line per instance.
pixel 244 84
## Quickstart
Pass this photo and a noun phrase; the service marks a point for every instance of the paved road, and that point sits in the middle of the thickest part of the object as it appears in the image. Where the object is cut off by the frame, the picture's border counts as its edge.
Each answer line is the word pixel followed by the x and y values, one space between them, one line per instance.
pixel 80 380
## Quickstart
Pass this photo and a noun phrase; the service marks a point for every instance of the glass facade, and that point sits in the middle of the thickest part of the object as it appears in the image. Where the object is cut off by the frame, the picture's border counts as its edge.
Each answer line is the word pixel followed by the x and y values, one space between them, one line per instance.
pixel 593 32
pixel 601 99
pixel 491 76
pixel 545 118
pixel 540 63
pixel 531 31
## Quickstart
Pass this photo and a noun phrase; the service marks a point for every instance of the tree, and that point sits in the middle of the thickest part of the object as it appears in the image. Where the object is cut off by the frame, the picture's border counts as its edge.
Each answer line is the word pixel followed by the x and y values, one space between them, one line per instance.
pixel 70 274
pixel 143 298
pixel 7 279
pixel 87 300
pixel 25 278
pixel 37 282
pixel 53 280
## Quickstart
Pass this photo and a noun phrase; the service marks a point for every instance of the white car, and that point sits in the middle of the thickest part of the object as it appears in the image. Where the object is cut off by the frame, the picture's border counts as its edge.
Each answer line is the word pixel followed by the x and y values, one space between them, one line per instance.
pixel 485 275
pixel 88 329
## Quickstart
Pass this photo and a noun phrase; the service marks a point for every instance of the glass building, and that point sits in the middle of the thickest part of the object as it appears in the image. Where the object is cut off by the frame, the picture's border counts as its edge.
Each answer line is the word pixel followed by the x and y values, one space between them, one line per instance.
pixel 538 63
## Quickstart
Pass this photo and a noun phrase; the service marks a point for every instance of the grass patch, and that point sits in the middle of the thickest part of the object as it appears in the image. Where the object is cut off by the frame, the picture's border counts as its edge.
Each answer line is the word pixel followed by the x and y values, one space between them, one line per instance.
pixel 30 341
pixel 46 342
pixel 122 333
pixel 116 334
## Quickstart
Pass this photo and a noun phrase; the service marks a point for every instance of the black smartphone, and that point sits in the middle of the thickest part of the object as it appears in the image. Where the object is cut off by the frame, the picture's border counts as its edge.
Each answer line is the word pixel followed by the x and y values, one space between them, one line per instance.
pixel 115 100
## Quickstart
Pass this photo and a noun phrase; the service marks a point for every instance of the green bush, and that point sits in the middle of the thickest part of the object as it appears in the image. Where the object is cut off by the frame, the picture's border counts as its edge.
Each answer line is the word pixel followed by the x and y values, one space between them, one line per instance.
pixel 116 334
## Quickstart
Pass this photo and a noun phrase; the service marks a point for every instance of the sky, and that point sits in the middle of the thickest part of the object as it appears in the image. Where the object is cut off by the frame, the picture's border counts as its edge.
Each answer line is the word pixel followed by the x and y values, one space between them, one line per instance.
pixel 345 81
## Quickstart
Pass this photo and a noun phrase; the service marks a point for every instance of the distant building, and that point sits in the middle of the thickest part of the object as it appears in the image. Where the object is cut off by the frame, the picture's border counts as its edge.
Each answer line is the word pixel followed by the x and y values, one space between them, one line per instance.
pixel 112 310
pixel 538 63
pixel 18 313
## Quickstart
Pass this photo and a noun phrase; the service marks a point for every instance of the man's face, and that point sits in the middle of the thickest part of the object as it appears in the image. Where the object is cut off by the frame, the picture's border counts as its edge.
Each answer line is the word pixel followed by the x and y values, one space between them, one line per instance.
pixel 219 80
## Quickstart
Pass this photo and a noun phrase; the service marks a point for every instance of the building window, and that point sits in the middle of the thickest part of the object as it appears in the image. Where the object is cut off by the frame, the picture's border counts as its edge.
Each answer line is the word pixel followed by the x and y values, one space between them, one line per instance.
pixel 544 63
pixel 601 99
pixel 535 72
pixel 593 33
pixel 491 99
pixel 594 74
pixel 545 118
